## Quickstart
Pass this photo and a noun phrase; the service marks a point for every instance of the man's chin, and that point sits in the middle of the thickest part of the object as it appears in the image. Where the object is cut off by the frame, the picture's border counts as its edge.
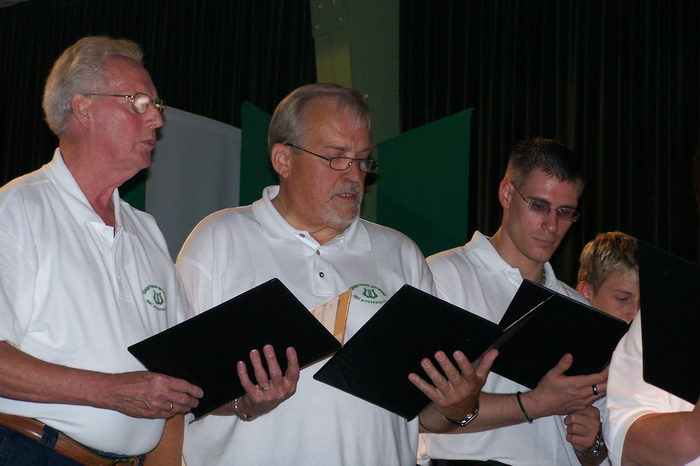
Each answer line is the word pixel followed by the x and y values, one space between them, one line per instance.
pixel 543 255
pixel 340 220
pixel 144 161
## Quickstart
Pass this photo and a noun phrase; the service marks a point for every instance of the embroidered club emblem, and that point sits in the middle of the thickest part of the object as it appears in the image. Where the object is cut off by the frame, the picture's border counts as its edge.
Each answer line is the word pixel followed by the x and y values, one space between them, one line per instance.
pixel 154 296
pixel 366 293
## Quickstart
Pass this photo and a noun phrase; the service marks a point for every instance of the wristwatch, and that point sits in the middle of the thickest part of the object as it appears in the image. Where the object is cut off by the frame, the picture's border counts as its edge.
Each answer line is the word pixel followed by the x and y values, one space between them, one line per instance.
pixel 239 414
pixel 469 418
pixel 596 449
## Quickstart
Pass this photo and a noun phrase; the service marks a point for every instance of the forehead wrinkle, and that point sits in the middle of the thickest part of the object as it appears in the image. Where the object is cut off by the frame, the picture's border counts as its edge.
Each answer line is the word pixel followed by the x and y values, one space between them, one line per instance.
pixel 118 73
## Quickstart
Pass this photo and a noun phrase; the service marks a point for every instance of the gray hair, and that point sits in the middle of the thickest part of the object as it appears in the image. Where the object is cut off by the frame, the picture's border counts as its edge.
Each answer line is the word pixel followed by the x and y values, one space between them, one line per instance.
pixel 287 122
pixel 77 70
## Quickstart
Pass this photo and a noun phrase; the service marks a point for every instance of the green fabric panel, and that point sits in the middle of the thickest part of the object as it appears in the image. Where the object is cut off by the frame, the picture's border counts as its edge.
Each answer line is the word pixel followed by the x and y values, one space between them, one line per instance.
pixel 423 183
pixel 256 170
pixel 357 45
pixel 134 190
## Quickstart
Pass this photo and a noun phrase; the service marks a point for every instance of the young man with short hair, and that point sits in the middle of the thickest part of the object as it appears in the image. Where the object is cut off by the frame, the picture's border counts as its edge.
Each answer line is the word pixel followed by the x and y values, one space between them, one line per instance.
pixel 608 275
pixel 539 195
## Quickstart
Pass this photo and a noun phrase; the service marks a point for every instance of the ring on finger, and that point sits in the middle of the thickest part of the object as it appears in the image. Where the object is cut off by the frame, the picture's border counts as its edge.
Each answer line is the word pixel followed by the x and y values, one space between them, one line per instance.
pixel 265 388
pixel 171 406
pixel 594 387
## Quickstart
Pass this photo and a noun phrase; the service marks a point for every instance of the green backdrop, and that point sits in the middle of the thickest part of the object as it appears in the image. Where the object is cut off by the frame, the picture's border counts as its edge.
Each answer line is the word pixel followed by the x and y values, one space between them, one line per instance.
pixel 256 170
pixel 423 183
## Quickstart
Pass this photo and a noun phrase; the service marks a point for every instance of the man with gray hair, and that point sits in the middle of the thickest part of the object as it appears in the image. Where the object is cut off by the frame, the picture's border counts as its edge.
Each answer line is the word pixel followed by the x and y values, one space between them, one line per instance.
pixel 307 233
pixel 83 275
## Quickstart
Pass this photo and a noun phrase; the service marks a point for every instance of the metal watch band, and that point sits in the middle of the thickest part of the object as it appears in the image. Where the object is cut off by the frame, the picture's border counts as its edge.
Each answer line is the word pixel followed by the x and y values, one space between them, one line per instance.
pixel 239 414
pixel 596 449
pixel 469 418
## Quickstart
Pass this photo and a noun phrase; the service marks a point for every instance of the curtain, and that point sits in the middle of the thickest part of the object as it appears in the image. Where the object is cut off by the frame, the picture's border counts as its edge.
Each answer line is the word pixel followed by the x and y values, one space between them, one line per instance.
pixel 615 81
pixel 205 57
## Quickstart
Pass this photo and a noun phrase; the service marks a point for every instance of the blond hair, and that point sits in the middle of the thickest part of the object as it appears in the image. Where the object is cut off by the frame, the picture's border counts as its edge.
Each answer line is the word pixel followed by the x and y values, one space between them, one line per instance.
pixel 607 253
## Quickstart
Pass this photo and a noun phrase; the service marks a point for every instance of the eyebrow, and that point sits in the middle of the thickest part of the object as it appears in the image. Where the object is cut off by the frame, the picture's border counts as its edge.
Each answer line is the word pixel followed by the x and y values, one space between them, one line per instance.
pixel 618 290
pixel 573 207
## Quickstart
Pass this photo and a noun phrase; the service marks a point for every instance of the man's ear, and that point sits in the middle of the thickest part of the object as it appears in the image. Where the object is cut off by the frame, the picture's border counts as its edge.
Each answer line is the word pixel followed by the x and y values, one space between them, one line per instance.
pixel 585 289
pixel 505 193
pixel 80 105
pixel 281 158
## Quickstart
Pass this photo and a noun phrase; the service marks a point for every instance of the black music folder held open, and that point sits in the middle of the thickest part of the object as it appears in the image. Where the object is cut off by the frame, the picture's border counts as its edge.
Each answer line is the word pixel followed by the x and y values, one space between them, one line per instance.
pixel 540 326
pixel 374 364
pixel 670 309
pixel 204 349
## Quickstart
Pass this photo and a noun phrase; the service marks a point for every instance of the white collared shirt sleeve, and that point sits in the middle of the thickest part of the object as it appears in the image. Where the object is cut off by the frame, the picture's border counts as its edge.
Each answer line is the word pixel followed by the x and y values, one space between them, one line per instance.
pixel 629 396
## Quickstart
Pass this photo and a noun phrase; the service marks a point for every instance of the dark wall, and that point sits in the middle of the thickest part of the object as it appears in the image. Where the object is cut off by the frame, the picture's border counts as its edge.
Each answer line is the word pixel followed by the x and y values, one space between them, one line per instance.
pixel 616 81
pixel 205 57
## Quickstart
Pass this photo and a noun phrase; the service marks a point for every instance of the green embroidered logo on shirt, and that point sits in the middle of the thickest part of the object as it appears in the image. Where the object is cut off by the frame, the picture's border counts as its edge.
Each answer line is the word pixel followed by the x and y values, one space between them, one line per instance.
pixel 154 296
pixel 366 293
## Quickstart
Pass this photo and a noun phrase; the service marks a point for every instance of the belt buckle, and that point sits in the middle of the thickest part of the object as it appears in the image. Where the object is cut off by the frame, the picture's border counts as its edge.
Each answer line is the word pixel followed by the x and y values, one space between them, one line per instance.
pixel 125 461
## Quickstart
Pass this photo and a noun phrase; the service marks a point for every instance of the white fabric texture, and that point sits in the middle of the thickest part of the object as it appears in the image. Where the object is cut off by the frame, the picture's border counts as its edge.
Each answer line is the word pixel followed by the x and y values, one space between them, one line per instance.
pixel 476 278
pixel 76 292
pixel 234 250
pixel 629 396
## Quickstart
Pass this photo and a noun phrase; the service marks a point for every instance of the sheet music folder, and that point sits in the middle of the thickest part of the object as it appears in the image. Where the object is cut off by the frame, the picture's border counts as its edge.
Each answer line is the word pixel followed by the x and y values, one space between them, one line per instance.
pixel 540 326
pixel 204 349
pixel 374 364
pixel 670 308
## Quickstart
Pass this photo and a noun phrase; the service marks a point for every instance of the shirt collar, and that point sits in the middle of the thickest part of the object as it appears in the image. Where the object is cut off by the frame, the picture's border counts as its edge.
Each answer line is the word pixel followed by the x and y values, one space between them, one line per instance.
pixel 490 258
pixel 354 237
pixel 68 188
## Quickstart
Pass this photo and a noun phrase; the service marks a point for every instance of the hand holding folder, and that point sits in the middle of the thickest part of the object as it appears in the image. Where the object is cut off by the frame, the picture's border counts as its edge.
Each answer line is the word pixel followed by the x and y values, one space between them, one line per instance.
pixel 271 386
pixel 538 329
pixel 205 349
pixel 454 391
pixel 540 326
pixel 412 325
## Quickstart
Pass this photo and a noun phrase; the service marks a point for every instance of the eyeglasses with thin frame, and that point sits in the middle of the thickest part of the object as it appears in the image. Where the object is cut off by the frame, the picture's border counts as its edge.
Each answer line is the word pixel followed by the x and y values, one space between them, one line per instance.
pixel 340 164
pixel 140 102
pixel 566 214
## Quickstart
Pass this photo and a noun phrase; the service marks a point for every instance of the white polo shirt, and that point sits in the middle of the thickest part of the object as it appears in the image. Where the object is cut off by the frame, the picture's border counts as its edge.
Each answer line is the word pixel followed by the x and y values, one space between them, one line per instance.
pixel 233 250
pixel 629 396
pixel 476 278
pixel 77 292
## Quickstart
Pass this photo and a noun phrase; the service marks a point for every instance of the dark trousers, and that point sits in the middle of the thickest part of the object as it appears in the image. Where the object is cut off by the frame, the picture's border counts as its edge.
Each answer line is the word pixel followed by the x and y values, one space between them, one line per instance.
pixel 19 450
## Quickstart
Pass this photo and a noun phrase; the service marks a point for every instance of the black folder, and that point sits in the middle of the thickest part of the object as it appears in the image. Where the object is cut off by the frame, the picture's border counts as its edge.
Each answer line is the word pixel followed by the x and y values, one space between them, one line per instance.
pixel 204 349
pixel 374 364
pixel 541 325
pixel 670 308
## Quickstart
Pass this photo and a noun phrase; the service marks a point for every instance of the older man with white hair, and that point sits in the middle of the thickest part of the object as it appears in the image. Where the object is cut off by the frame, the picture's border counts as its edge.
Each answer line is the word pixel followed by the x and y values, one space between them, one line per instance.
pixel 83 275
